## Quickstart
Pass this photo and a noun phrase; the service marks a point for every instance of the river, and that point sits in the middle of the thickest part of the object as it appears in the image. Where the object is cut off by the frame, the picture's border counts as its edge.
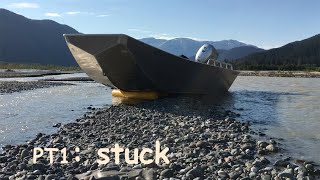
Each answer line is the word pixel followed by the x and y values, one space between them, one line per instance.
pixel 287 108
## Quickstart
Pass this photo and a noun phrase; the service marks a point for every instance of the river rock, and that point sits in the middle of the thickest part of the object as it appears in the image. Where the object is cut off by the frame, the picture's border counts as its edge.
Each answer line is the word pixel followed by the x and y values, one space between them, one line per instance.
pixel 287 173
pixel 301 170
pixel 202 144
pixel 272 148
pixel 134 173
pixel 3 159
pixel 234 175
pixel 235 152
pixel 196 172
pixel 148 174
pixel 222 174
pixel 247 146
pixel 24 154
pixel 264 160
pixel 166 173
pixel 252 175
pixel 266 177
pixel 57 125
pixel 38 166
pixel 50 177
pixel 309 167
pixel 281 163
pixel 262 144
pixel 254 169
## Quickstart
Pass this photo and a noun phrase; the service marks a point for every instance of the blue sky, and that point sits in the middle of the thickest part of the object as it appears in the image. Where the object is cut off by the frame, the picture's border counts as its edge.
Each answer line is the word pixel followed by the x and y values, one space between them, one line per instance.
pixel 267 24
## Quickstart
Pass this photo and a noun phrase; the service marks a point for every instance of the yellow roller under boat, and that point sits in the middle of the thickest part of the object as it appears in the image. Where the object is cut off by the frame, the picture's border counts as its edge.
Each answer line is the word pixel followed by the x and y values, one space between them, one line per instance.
pixel 147 95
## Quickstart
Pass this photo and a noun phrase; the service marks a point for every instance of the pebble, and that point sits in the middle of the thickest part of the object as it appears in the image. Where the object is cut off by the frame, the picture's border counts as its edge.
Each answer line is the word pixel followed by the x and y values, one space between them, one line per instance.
pixel 254 169
pixel 309 167
pixel 202 144
pixel 287 173
pixel 222 174
pixel 262 144
pixel 166 173
pixel 234 175
pixel 57 125
pixel 266 177
pixel 50 177
pixel 24 153
pixel 272 148
pixel 148 174
pixel 281 163
pixel 196 172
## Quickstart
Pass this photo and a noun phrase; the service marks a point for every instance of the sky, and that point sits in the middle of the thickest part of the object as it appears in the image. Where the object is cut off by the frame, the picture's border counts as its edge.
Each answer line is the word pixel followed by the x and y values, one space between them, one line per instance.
pixel 266 24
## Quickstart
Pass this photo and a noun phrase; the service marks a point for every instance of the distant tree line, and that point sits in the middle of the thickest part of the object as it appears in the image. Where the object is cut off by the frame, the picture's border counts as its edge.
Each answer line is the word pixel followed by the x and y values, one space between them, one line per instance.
pixel 285 67
pixel 300 55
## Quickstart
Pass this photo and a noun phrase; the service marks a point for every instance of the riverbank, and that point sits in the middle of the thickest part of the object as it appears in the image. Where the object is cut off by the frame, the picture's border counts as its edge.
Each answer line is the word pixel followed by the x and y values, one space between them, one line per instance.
pixel 203 141
pixel 14 73
pixel 15 86
pixel 304 74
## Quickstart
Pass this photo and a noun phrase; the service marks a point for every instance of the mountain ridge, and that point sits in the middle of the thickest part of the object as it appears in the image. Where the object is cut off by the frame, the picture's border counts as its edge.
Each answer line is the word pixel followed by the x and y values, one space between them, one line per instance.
pixel 25 40
pixel 29 41
pixel 189 47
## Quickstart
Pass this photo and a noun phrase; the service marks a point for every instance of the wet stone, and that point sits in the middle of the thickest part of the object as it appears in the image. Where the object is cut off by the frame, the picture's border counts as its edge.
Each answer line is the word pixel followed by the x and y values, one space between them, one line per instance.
pixel 166 173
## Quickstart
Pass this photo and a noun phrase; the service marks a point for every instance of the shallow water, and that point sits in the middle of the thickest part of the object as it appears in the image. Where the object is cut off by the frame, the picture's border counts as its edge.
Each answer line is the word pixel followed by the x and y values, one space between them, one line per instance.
pixel 287 108
pixel 27 113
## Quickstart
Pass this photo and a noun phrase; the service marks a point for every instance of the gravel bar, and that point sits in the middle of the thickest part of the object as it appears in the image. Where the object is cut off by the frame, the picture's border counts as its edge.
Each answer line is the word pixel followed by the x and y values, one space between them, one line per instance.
pixel 16 86
pixel 205 142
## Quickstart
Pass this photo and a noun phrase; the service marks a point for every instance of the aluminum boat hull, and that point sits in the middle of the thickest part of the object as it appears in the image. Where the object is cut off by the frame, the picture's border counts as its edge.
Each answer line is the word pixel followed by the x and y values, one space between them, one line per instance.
pixel 128 64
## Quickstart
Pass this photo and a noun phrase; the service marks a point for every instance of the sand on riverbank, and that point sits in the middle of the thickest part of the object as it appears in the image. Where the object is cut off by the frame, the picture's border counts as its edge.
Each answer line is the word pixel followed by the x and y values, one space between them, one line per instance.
pixel 305 74
pixel 205 142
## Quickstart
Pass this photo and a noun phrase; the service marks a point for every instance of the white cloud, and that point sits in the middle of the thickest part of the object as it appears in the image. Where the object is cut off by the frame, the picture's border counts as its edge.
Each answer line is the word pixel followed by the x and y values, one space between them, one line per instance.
pixel 139 30
pixel 197 39
pixel 163 36
pixel 267 47
pixel 73 12
pixel 24 5
pixel 167 36
pixel 50 14
pixel 103 15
